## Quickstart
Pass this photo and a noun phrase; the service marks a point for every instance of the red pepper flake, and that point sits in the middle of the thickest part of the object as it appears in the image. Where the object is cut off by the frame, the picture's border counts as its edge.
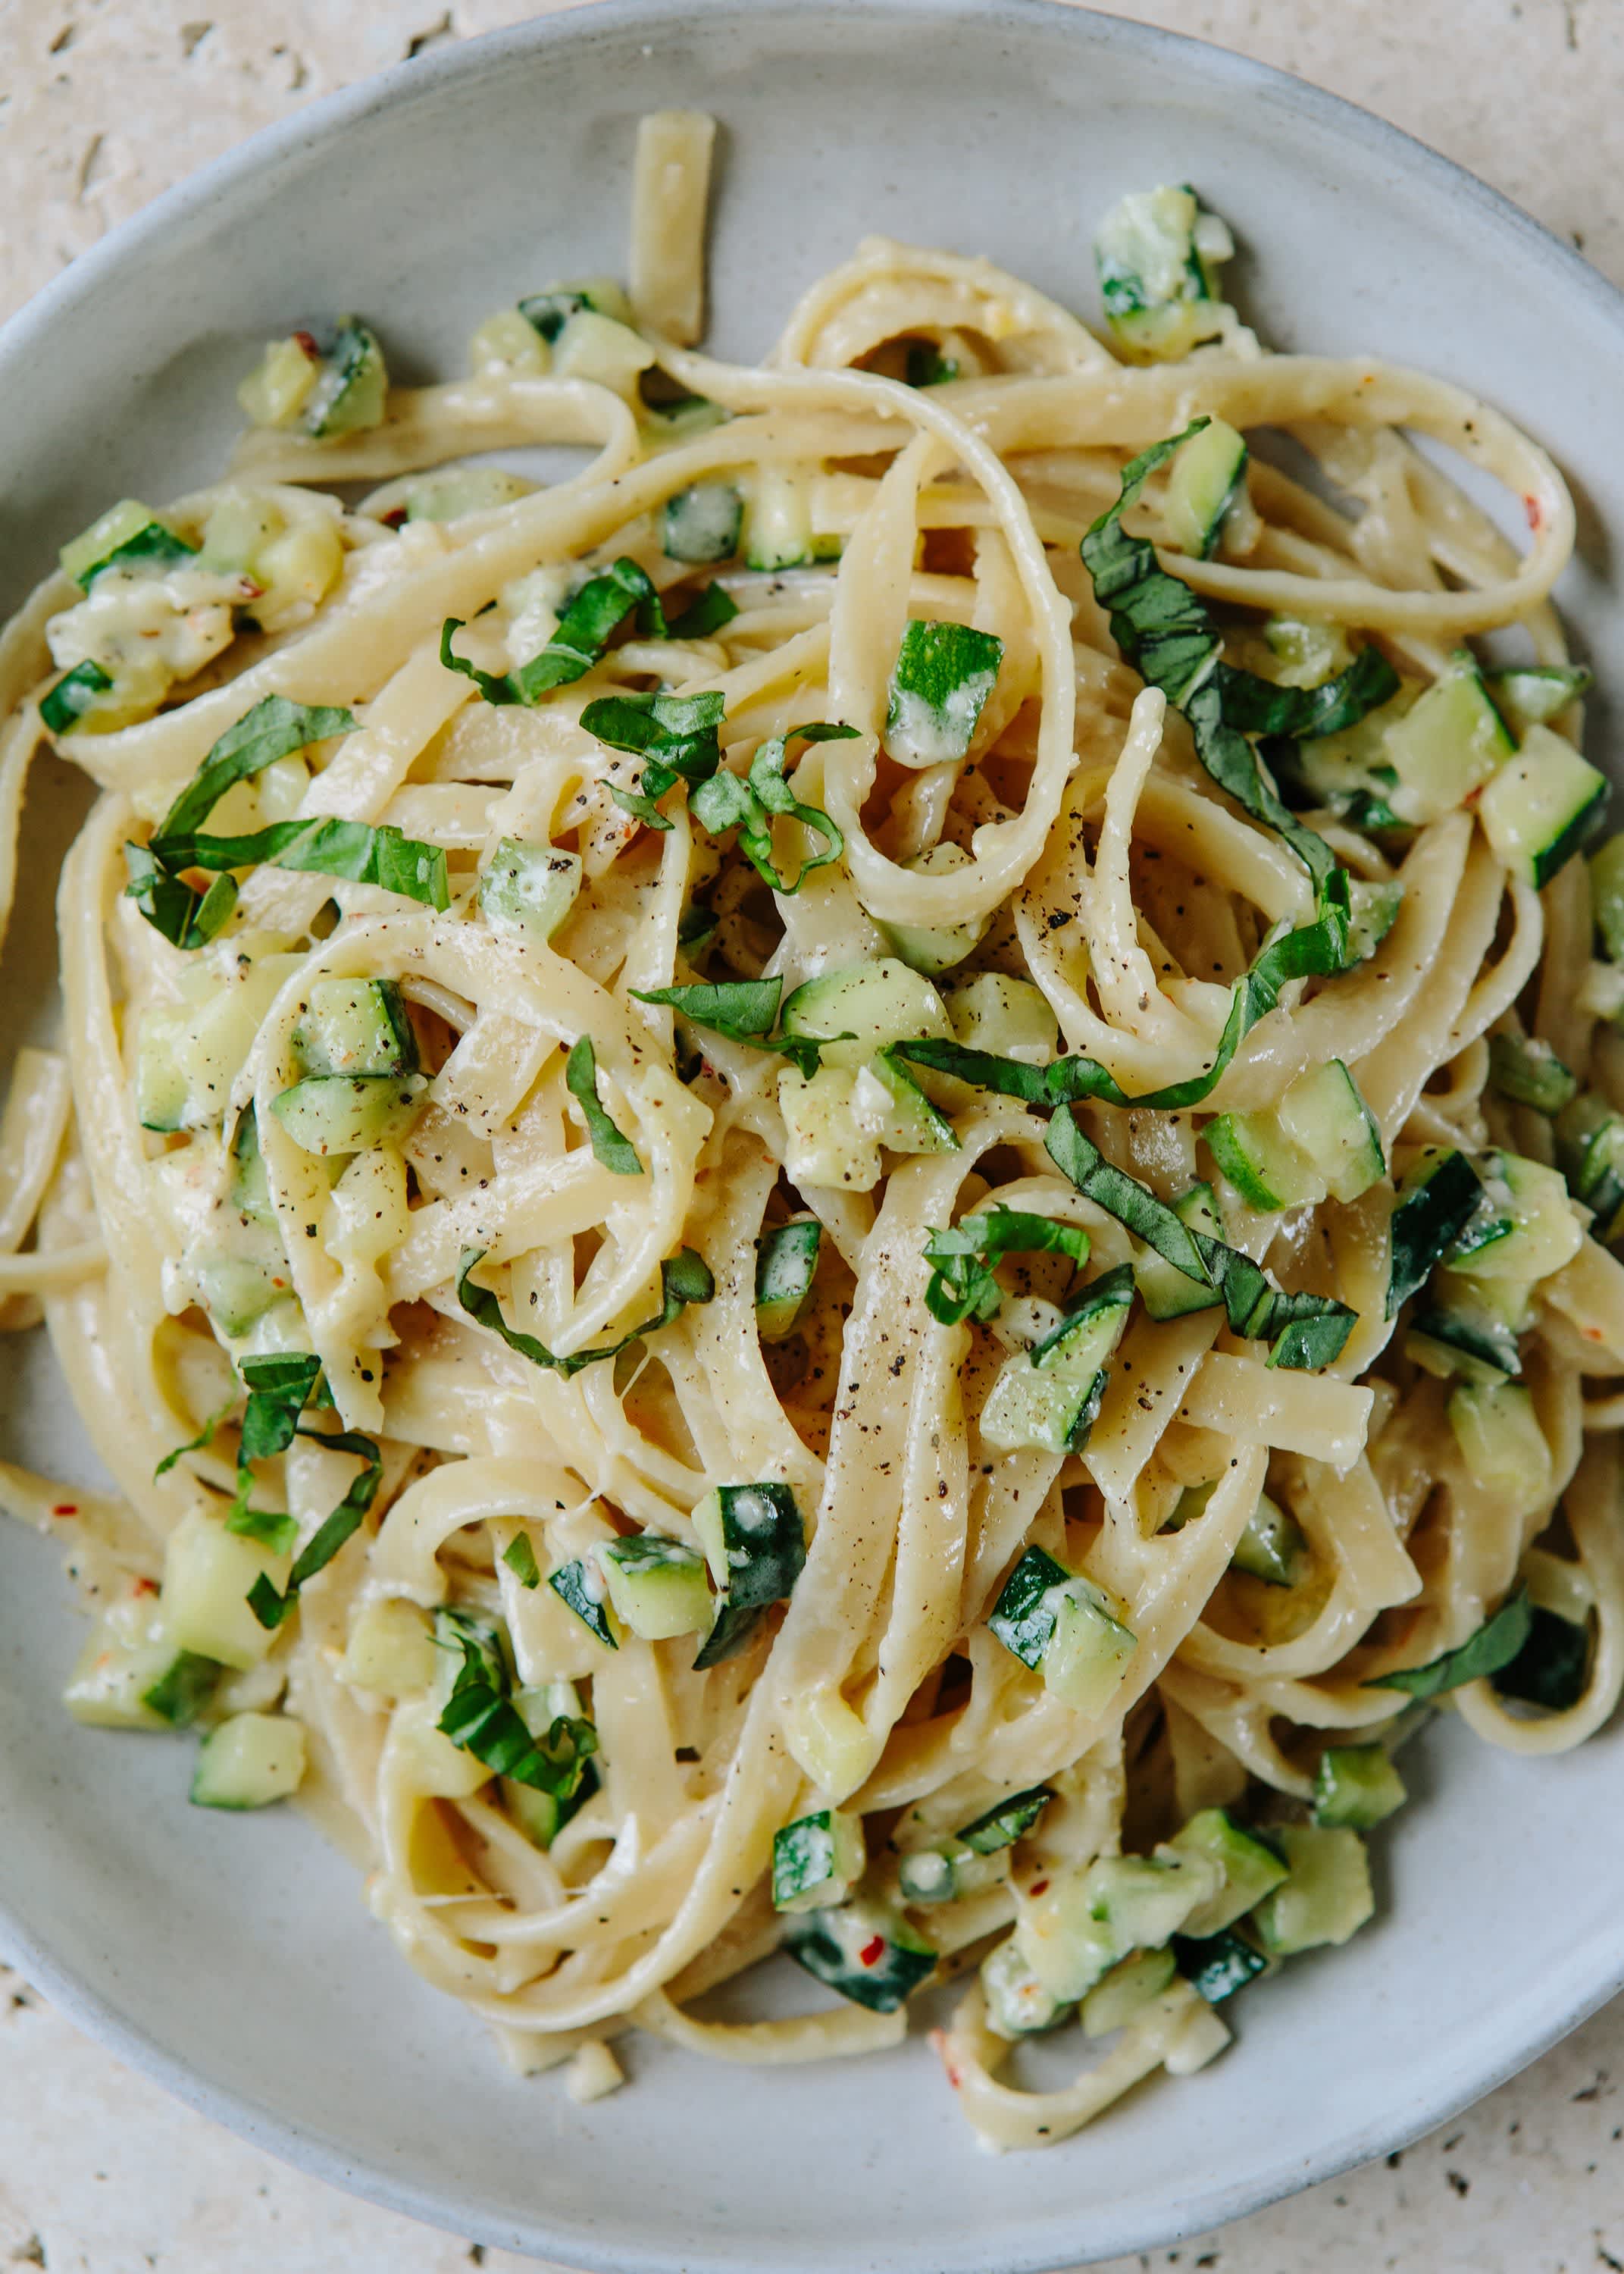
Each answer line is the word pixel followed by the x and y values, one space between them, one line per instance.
pixel 395 517
pixel 306 340
pixel 938 2045
pixel 1531 507
pixel 871 1953
pixel 65 1508
pixel 1038 1888
pixel 144 1587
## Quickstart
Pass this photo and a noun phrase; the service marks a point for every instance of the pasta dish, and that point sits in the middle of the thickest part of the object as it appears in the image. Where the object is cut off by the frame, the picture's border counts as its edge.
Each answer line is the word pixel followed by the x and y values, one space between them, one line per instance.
pixel 840 1186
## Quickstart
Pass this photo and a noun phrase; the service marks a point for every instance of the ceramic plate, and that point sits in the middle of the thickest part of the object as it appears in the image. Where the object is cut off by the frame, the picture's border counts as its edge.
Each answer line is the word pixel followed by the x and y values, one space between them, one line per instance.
pixel 234 1957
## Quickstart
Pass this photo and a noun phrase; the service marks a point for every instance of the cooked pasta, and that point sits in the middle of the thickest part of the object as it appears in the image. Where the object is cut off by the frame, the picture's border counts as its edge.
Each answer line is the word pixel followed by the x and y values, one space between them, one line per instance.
pixel 842 1186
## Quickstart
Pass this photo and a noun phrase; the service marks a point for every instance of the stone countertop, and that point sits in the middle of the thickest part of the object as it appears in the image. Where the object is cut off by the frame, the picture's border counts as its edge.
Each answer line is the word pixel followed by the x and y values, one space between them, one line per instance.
pixel 102 104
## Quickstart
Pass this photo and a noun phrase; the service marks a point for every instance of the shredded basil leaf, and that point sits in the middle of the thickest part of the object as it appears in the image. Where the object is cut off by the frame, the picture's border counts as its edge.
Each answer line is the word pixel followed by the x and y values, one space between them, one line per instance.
pixel 320 846
pixel 186 917
pixel 1496 1643
pixel 1307 1330
pixel 926 365
pixel 750 802
pixel 481 1719
pixel 275 729
pixel 267 1606
pixel 706 613
pixel 685 1278
pixel 741 1010
pixel 964 1281
pixel 675 736
pixel 204 1436
pixel 610 1144
pixel 584 631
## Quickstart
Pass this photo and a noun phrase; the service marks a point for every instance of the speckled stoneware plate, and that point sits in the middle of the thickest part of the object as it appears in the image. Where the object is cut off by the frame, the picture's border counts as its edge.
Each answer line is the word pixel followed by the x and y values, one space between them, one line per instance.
pixel 234 1957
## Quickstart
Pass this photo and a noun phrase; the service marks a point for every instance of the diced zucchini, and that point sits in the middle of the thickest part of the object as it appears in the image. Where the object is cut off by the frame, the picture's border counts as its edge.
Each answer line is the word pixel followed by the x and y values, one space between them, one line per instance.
pixel 1606 866
pixel 1525 1227
pixel 391 1649
pixel 1206 474
pixel 1169 1292
pixel 352 386
pixel 1250 1869
pixel 584 1587
pixel 294 572
pixel 598 347
pixel 547 312
pixel 888 1105
pixel 869 1005
pixel 1320 1139
pixel 129 1675
pixel 1467 1339
pixel 238 1289
pixel 1327 1897
pixel 777 523
pixel 1447 746
pixel 1357 1786
pixel 1372 914
pixel 1501 1440
pixel 1066 1629
pixel 249 1761
pixel 1157 254
pixel 163 1098
pixel 1005 1822
pixel 866 1953
pixel 1216 1966
pixel 1325 1117
pixel 945 1874
pixel 126 534
pixel 1019 2005
pixel 702 523
pixel 1590 1150
pixel 786 1264
pixel 277 389
pixel 824 1142
pixel 337 1113
pixel 939 686
pixel 1437 1198
pixel 1552 1668
pixel 1529 1072
pixel 1271 1548
pixel 921 948
pixel 250 1191
pixel 1131 1984
pixel 1009 1016
pixel 1534 694
pixel 755 1543
pixel 1539 810
pixel 1086 1922
pixel 817 1860
pixel 1306 651
pixel 528 890
pixel 658 1585
pixel 354 1027
pixel 207 1573
pixel 1048 1397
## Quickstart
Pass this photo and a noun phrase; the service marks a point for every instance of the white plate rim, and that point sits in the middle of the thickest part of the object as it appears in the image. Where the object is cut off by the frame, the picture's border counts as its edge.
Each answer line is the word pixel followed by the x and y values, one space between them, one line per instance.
pixel 1600 1971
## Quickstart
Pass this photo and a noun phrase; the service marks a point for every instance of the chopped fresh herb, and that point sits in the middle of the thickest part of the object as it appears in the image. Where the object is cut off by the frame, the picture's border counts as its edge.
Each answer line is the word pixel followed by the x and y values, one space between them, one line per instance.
pixel 186 917
pixel 520 1557
pixel 610 1145
pixel 684 1278
pixel 1496 1644
pixel 1552 1668
pixel 748 804
pixel 1306 1330
pixel 675 736
pixel 964 1281
pixel 939 686
pixel 481 1718
pixel 204 1436
pixel 584 631
pixel 272 1527
pixel 324 847
pixel 742 1011
pixel 548 312
pixel 706 613
pixel 275 729
pixel 927 367
pixel 267 1606
pixel 1434 1206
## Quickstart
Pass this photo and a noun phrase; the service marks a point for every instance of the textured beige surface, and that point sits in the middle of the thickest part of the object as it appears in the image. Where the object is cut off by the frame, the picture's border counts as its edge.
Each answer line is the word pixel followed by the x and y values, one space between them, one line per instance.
pixel 103 103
